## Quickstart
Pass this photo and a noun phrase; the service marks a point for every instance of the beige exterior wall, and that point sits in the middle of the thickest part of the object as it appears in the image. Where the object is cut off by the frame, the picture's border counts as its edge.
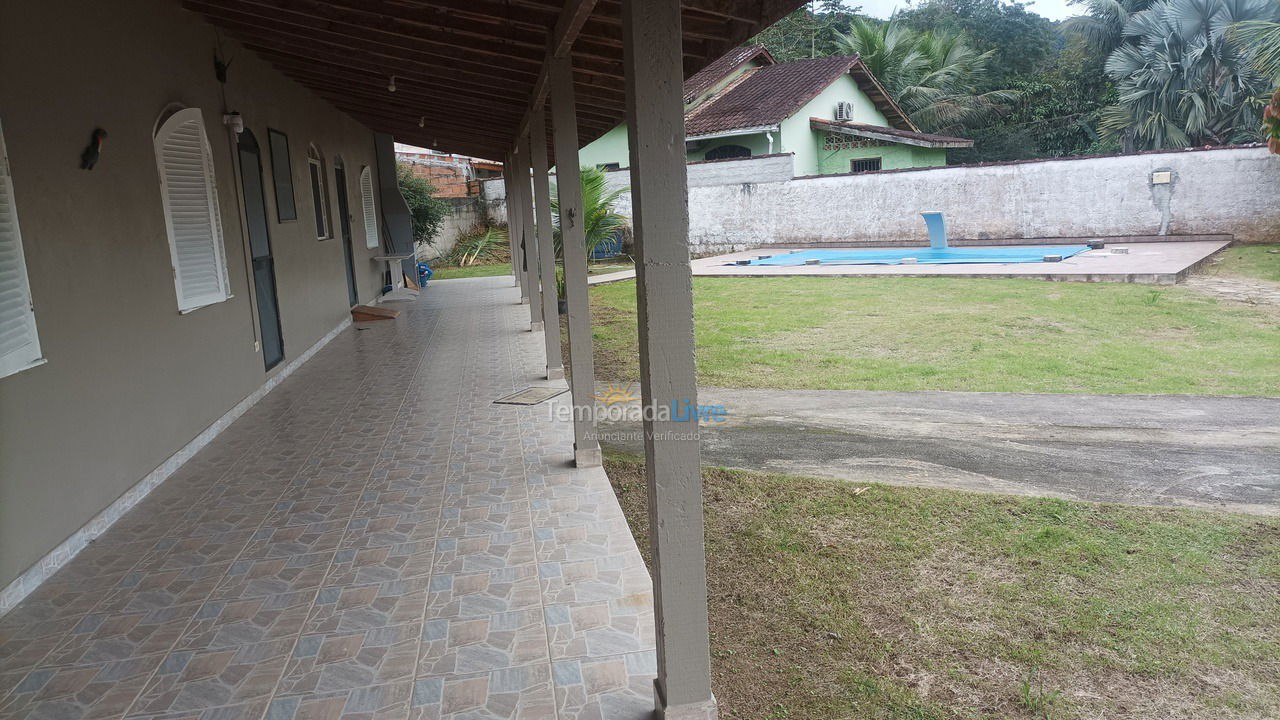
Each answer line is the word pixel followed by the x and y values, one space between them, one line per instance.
pixel 128 380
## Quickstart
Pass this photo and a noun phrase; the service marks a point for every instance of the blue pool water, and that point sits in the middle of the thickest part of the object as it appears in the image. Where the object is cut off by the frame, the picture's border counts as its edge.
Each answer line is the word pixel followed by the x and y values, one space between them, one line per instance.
pixel 926 256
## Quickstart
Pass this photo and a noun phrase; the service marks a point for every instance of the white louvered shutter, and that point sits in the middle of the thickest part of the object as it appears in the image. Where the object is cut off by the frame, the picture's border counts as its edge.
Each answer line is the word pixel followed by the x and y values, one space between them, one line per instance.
pixel 191 211
pixel 19 344
pixel 370 210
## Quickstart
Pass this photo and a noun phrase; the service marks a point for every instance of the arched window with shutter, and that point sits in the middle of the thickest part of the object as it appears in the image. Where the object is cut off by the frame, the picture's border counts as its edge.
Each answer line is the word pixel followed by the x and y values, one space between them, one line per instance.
pixel 192 219
pixel 19 342
pixel 370 210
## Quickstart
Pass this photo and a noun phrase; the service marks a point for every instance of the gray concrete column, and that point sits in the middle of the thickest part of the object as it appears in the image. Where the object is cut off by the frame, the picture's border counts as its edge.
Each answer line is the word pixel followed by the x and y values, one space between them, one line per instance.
pixel 586 444
pixel 546 243
pixel 515 226
pixel 506 199
pixel 521 195
pixel 660 215
pixel 529 236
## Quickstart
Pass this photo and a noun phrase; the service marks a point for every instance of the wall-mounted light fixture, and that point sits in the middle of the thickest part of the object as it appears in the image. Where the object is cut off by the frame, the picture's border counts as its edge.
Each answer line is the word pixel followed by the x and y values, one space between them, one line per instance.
pixel 234 121
pixel 391 86
pixel 422 121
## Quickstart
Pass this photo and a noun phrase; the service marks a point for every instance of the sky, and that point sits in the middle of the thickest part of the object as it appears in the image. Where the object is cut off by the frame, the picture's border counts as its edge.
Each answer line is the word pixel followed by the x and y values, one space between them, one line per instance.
pixel 1052 9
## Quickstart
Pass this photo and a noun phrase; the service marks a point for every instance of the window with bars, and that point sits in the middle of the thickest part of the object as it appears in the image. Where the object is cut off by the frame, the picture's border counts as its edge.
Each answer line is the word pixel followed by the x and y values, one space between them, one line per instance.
pixel 864 164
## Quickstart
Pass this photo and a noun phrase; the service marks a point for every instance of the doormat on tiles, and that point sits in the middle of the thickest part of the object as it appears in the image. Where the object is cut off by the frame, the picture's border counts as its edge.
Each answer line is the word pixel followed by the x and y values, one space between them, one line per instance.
pixel 530 396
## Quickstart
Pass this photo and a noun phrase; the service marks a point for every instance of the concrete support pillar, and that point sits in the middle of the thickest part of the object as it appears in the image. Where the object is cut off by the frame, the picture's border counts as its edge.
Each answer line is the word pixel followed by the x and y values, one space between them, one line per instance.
pixel 586 445
pixel 546 243
pixel 529 236
pixel 516 220
pixel 511 236
pixel 660 214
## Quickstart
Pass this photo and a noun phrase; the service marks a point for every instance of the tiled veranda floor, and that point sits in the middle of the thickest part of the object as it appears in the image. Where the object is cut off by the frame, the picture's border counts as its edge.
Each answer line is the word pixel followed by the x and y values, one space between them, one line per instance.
pixel 374 539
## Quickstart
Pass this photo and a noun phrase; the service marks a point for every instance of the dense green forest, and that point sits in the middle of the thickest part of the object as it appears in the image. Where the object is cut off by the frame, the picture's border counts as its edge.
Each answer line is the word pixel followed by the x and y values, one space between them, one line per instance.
pixel 1121 76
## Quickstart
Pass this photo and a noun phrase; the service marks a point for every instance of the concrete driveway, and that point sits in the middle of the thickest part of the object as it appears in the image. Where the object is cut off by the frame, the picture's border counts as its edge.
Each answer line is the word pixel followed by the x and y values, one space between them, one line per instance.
pixel 1149 450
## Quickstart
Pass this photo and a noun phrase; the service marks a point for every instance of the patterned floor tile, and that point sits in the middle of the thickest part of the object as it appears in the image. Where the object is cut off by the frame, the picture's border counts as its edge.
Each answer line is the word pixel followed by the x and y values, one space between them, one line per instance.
pixel 489 519
pixel 583 542
pixel 475 493
pixel 489 592
pixel 273 576
pixel 468 645
pixel 522 693
pixel 280 542
pixel 600 578
pixel 484 552
pixel 152 590
pixel 343 661
pixel 612 688
pixel 374 539
pixel 188 681
pixel 611 627
pixel 380 564
pixel 87 692
pixel 102 637
pixel 232 623
pixel 190 552
pixel 380 702
pixel 360 607
pixel 392 529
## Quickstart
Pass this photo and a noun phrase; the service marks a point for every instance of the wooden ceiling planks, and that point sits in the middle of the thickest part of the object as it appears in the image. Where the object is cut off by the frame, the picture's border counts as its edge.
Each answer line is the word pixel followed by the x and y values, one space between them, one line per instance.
pixel 466 70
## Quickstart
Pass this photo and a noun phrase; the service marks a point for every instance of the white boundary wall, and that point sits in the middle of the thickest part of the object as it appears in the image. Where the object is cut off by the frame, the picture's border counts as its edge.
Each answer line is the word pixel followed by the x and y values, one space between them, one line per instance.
pixel 1219 191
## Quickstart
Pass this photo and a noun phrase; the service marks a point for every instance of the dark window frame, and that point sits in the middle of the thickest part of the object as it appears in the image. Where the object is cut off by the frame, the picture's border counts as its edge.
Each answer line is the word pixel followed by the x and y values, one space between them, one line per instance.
pixel 738 152
pixel 282 182
pixel 867 164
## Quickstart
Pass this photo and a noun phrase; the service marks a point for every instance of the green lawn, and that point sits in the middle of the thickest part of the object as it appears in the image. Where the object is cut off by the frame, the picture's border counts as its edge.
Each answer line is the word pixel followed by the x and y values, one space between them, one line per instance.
pixel 1261 262
pixel 959 334
pixel 449 273
pixel 898 602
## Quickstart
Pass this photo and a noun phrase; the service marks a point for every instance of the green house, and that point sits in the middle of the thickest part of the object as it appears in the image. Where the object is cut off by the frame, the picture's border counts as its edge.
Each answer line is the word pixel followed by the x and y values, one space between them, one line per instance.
pixel 830 113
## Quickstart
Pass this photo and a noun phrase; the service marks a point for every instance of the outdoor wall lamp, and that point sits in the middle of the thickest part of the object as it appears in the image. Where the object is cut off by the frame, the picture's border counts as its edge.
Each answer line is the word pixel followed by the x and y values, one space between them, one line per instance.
pixel 234 121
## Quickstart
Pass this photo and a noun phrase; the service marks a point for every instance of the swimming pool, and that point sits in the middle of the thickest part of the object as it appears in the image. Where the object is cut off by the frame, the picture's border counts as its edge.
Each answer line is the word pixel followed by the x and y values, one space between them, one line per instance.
pixel 924 255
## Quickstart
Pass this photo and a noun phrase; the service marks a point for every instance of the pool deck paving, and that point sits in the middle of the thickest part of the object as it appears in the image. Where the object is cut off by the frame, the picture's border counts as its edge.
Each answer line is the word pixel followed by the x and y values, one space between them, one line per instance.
pixel 1161 263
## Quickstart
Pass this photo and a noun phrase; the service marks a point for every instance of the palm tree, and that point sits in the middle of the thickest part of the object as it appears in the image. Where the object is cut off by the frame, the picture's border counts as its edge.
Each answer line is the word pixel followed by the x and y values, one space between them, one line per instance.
pixel 1181 80
pixel 600 220
pixel 1261 39
pixel 936 77
pixel 1103 25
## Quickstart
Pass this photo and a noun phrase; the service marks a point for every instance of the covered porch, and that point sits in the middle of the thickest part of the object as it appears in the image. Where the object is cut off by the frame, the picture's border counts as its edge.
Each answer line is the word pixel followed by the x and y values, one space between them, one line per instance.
pixel 221 524
pixel 375 539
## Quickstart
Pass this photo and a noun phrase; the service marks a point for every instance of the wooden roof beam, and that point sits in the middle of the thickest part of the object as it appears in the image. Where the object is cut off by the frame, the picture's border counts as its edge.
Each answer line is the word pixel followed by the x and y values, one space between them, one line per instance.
pixel 570 23
pixel 241 27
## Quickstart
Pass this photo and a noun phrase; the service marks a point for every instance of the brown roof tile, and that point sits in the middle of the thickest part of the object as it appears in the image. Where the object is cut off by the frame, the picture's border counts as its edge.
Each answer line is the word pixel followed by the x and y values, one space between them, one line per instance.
pixel 910 137
pixel 767 95
pixel 706 78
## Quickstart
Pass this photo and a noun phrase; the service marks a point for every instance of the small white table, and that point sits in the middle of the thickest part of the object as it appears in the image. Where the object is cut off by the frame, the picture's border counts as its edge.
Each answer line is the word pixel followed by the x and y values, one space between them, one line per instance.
pixel 393 262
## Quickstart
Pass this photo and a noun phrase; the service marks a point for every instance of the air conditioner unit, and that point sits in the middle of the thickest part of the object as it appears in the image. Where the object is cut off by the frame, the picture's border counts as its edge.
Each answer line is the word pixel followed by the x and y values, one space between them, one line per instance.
pixel 844 111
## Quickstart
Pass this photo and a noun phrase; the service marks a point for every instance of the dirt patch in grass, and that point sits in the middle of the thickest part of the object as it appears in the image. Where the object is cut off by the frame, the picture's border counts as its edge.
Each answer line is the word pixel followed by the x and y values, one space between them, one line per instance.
pixel 832 602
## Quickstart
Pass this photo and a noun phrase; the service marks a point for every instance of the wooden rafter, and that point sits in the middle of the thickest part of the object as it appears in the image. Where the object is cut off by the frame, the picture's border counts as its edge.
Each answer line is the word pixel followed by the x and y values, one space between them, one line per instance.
pixel 470 71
